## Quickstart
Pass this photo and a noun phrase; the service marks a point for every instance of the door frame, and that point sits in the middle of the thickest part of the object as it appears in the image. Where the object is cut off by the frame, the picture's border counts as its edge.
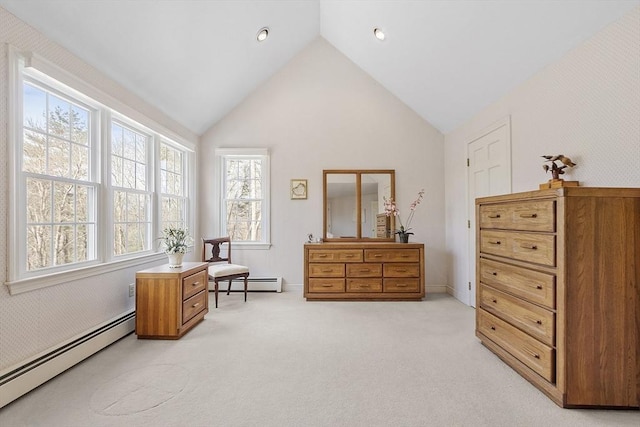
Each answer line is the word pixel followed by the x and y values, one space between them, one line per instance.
pixel 471 208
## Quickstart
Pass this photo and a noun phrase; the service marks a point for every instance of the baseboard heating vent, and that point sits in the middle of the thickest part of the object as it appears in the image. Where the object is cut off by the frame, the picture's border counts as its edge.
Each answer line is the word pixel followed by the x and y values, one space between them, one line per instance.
pixel 255 284
pixel 20 379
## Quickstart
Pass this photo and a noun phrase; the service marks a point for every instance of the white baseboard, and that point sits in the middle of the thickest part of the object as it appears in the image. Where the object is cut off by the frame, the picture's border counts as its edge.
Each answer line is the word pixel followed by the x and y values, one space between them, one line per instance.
pixel 24 377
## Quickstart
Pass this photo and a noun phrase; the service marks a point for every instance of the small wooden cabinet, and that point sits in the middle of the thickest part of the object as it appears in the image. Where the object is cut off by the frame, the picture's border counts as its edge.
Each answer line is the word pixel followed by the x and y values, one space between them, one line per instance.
pixel 558 291
pixel 364 271
pixel 170 301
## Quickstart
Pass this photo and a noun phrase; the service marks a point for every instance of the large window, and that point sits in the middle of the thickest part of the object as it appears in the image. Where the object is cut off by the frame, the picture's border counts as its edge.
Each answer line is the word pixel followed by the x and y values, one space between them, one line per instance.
pixel 90 186
pixel 59 183
pixel 245 195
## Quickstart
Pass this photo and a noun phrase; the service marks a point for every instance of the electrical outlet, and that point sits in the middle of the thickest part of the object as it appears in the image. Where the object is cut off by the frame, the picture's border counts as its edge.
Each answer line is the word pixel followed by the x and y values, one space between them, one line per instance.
pixel 131 290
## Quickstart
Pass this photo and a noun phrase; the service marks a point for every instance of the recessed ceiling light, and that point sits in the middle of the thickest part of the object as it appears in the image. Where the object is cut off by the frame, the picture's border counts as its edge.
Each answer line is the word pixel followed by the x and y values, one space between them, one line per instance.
pixel 262 34
pixel 378 33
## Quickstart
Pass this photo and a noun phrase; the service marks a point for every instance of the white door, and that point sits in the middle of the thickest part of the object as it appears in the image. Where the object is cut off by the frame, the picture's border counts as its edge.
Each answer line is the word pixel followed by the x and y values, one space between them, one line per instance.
pixel 489 174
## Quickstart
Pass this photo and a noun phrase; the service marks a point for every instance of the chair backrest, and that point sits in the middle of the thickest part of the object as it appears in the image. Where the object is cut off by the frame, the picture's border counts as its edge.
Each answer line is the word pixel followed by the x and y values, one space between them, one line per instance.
pixel 215 249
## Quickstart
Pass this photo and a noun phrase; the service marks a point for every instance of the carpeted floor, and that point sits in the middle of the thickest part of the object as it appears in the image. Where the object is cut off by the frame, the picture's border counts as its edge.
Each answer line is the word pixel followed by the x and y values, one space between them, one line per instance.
pixel 280 361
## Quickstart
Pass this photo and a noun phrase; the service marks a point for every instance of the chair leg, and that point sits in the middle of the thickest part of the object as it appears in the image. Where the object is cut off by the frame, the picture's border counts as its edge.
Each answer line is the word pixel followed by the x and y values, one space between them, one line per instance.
pixel 245 288
pixel 229 287
pixel 215 289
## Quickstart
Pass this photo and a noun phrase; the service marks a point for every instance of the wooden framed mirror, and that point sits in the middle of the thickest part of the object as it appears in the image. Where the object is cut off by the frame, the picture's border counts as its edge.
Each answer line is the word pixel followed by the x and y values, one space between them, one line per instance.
pixel 353 204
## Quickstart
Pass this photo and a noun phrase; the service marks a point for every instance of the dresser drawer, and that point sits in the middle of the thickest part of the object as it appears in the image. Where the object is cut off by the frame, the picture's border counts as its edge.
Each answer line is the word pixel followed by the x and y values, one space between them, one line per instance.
pixel 532 319
pixel 402 270
pixel 193 284
pixel 193 306
pixel 537 356
pixel 524 216
pixel 333 255
pixel 326 285
pixel 401 285
pixel 364 285
pixel 364 270
pixel 534 286
pixel 326 270
pixel 530 247
pixel 392 255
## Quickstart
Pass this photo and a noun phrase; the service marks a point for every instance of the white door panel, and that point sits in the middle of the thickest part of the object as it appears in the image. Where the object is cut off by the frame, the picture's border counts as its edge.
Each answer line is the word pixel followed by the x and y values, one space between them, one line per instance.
pixel 489 174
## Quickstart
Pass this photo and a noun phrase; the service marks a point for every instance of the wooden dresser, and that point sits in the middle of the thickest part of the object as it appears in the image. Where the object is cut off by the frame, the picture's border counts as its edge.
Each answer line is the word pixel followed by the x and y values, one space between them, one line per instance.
pixel 170 301
pixel 558 291
pixel 364 271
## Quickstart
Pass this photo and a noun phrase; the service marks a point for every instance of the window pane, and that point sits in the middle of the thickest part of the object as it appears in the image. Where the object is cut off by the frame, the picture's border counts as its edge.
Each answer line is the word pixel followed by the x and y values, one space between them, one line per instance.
pixel 128 174
pixel 63 202
pixel 82 203
pixel 59 111
pixel 59 157
pixel 141 176
pixel 35 108
pixel 141 148
pixel 129 145
pixel 34 152
pixel 38 201
pixel 79 162
pixel 64 244
pixel 119 239
pixel 116 140
pixel 119 206
pixel 116 171
pixel 82 242
pixel 38 247
pixel 80 125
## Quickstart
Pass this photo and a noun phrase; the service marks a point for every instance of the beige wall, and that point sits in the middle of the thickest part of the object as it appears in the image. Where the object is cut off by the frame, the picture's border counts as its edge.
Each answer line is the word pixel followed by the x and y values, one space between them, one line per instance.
pixel 586 106
pixel 34 321
pixel 323 112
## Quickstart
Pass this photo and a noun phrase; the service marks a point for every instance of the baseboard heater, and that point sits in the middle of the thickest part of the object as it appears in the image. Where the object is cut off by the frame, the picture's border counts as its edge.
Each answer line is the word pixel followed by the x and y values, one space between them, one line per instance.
pixel 24 377
pixel 255 284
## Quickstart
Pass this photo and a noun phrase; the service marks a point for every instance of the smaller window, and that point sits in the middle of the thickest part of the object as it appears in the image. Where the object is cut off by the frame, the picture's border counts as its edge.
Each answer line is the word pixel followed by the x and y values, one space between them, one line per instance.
pixel 245 195
pixel 173 201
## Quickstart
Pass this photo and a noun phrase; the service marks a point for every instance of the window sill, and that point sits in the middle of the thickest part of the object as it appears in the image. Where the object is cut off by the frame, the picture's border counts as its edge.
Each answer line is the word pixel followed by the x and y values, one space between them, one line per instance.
pixel 33 283
pixel 251 246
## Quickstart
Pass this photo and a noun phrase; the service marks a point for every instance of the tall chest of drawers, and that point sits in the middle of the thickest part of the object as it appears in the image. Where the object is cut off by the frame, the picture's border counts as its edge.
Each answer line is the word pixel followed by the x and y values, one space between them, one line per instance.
pixel 558 291
pixel 171 301
pixel 364 271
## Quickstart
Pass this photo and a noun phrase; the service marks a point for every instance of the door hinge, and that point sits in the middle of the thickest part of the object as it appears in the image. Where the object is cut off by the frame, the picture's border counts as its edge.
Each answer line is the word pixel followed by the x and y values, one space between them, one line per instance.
pixel 468 162
pixel 469 285
pixel 468 223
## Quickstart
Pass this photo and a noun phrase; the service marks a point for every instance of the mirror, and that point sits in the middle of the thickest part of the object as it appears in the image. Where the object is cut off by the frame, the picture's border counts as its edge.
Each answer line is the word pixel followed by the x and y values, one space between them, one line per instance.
pixel 354 205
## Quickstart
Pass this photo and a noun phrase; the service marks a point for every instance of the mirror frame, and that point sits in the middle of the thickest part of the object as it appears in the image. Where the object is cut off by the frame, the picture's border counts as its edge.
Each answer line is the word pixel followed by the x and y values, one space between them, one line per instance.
pixel 358 175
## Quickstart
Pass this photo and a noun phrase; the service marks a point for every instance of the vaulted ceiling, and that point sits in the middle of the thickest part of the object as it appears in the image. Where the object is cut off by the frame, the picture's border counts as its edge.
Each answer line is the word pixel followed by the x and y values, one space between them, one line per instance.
pixel 197 60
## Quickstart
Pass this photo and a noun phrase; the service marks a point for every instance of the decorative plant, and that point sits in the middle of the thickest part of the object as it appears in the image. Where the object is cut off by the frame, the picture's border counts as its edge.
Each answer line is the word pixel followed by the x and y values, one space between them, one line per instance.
pixel 175 240
pixel 556 170
pixel 390 208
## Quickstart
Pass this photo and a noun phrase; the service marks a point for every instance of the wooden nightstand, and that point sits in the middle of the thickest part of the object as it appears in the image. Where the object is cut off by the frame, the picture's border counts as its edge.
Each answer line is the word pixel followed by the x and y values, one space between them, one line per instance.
pixel 170 301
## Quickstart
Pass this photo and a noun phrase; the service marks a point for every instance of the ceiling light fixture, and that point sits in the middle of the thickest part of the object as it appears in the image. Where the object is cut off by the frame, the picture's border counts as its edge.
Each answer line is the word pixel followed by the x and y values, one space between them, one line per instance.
pixel 378 33
pixel 263 33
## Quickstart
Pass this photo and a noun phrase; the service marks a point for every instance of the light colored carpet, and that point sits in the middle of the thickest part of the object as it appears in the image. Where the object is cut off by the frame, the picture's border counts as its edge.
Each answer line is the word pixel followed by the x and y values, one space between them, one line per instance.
pixel 280 361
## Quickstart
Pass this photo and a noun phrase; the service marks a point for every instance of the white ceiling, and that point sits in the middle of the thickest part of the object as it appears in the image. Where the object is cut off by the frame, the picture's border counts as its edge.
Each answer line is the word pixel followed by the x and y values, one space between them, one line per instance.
pixel 196 60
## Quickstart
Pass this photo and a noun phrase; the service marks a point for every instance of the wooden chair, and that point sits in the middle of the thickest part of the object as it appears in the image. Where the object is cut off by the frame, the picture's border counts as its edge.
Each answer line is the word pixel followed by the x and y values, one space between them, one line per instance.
pixel 220 268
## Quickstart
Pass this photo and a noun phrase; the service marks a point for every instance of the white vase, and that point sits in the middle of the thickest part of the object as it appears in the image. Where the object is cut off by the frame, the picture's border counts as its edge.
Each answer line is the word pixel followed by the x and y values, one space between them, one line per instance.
pixel 175 260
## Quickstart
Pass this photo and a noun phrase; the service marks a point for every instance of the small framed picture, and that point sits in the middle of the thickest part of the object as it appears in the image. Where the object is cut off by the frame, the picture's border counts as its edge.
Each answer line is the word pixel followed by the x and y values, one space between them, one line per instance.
pixel 298 188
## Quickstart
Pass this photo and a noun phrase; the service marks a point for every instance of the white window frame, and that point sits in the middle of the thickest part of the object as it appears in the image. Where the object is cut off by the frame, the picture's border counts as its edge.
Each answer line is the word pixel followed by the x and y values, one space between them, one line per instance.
pixel 221 154
pixel 51 76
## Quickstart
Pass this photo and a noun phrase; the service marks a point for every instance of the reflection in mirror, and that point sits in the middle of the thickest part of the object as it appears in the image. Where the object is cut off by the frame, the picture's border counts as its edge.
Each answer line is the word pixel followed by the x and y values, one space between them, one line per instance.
pixel 341 205
pixel 374 188
pixel 354 204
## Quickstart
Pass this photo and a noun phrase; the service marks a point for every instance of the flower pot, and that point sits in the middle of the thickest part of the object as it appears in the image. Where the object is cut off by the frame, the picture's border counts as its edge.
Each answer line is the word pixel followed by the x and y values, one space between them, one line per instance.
pixel 175 260
pixel 404 237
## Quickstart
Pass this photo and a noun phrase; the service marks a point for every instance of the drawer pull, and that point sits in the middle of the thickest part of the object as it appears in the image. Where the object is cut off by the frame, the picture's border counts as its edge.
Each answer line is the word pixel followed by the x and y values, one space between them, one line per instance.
pixel 326 285
pixel 531 353
pixel 538 286
pixel 493 300
pixel 539 322
pixel 327 270
pixel 493 328
pixel 524 215
pixel 401 270
pixel 322 256
pixel 494 242
pixel 402 285
pixel 195 305
pixel 494 273
pixel 405 256
pixel 494 216
pixel 364 286
pixel 195 284
pixel 377 255
pixel 365 270
pixel 528 246
pixel 348 256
